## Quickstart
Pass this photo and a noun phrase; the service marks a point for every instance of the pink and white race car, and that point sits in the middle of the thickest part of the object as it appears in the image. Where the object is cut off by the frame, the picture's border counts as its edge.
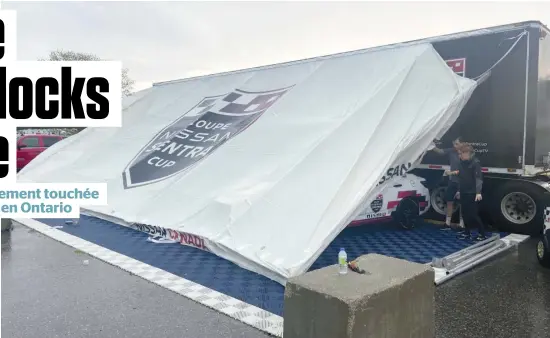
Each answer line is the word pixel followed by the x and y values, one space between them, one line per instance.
pixel 404 200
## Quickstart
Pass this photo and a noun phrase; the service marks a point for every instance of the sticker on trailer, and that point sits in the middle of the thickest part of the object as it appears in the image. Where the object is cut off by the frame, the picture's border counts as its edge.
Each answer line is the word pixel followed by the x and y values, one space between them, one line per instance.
pixel 458 66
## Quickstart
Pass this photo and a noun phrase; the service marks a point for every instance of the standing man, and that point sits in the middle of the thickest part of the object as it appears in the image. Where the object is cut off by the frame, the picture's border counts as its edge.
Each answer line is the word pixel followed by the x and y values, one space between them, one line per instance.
pixel 452 186
pixel 470 183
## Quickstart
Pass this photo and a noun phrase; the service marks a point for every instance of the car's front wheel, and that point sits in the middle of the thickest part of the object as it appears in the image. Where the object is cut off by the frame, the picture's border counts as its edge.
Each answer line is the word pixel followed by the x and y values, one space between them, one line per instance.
pixel 407 213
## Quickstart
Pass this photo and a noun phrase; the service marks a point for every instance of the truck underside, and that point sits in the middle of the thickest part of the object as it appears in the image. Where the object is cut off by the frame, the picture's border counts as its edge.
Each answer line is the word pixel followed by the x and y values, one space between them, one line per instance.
pixel 510 203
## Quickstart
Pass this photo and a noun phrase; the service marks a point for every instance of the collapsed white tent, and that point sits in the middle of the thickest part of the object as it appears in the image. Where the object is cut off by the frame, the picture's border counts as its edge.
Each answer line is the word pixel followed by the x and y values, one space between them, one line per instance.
pixel 265 165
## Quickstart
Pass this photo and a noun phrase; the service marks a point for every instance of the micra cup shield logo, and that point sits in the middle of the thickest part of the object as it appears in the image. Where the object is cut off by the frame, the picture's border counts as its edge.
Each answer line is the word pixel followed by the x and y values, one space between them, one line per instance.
pixel 376 204
pixel 197 134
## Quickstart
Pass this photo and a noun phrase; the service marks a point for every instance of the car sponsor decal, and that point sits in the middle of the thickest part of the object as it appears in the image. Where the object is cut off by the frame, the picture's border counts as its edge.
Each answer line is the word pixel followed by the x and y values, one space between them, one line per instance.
pixel 377 203
pixel 422 202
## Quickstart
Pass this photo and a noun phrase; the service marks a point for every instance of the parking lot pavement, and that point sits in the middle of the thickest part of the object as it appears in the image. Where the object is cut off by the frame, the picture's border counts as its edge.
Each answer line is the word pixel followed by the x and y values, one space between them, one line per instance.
pixel 47 291
pixel 505 298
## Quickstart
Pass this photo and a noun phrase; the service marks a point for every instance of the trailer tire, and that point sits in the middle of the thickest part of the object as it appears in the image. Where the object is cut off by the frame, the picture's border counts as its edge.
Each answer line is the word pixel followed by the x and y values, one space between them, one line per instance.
pixel 438 203
pixel 516 207
pixel 543 253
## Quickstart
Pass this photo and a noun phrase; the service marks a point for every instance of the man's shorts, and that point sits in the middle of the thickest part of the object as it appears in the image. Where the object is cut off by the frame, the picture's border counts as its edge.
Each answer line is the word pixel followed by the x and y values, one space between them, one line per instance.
pixel 450 192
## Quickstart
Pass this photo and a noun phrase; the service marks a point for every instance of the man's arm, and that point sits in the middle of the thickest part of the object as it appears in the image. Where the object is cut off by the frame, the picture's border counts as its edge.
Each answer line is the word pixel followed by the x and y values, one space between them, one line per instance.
pixel 441 151
pixel 452 173
pixel 478 177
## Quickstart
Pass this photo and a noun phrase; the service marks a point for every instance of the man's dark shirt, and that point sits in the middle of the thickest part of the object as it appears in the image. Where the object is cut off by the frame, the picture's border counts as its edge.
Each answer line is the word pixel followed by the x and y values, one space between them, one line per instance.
pixel 470 180
pixel 454 162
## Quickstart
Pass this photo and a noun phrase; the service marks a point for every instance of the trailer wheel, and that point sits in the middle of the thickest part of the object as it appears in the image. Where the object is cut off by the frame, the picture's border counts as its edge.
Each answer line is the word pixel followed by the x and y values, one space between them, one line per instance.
pixel 517 208
pixel 543 254
pixel 439 205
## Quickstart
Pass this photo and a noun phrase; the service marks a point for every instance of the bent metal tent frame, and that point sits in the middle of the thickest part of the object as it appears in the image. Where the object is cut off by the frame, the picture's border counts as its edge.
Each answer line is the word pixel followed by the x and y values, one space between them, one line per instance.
pixel 264 167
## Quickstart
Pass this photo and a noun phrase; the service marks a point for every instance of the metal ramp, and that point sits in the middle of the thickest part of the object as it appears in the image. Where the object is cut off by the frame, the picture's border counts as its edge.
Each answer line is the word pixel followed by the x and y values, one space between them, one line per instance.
pixel 456 263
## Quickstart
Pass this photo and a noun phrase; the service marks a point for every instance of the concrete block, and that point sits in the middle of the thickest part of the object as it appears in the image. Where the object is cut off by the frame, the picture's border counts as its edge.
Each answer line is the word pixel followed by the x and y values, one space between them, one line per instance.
pixel 393 299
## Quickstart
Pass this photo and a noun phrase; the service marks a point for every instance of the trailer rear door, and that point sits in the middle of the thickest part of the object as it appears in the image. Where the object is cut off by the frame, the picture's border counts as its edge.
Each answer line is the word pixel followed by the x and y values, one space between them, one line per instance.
pixel 493 119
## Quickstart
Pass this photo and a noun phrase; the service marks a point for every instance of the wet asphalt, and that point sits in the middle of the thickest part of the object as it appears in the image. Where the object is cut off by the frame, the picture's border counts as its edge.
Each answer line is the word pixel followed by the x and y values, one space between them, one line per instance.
pixel 508 297
pixel 47 291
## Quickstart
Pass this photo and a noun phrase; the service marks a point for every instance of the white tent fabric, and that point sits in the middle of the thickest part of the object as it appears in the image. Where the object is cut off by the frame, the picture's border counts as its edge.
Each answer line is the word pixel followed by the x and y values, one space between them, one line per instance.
pixel 266 165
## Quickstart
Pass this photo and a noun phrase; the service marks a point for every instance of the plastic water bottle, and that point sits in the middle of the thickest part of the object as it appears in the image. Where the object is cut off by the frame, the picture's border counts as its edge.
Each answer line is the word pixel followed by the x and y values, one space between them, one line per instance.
pixel 343 261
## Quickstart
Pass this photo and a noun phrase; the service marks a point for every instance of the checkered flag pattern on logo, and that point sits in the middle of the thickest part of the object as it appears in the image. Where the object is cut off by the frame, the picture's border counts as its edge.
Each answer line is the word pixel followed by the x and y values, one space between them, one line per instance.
pixel 196 134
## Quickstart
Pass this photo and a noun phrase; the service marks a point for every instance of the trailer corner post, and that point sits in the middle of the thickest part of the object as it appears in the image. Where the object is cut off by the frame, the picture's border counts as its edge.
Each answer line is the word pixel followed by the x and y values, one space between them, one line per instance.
pixel 526 100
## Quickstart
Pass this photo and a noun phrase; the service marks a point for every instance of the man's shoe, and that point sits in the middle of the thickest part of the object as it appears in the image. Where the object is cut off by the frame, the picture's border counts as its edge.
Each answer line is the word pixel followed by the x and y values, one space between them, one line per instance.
pixel 464 235
pixel 446 227
pixel 480 238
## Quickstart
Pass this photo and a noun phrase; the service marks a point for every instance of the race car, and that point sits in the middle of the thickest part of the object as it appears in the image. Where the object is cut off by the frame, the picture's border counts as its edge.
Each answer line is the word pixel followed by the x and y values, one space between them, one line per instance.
pixel 403 200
